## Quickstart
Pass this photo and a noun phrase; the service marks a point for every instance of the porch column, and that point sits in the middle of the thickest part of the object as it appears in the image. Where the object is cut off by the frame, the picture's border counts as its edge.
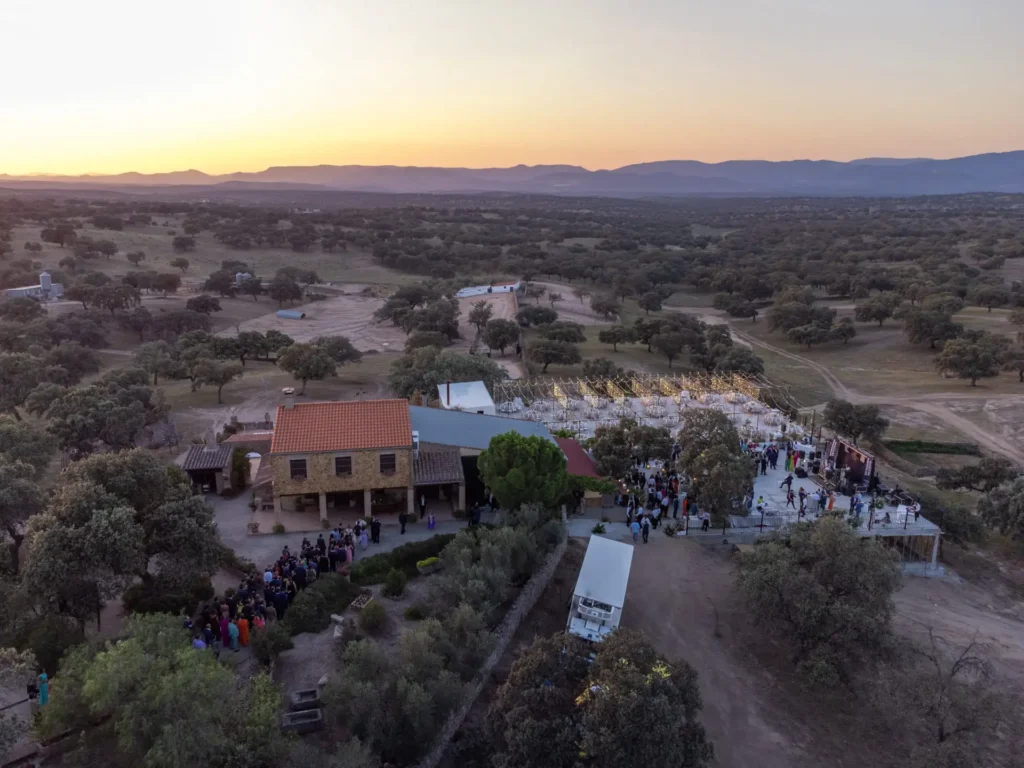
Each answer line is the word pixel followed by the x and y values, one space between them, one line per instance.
pixel 367 502
pixel 935 550
pixel 462 498
pixel 410 502
pixel 441 492
pixel 323 505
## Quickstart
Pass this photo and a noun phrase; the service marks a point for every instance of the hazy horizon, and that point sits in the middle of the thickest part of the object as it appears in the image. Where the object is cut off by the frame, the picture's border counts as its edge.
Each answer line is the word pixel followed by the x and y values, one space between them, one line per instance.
pixel 230 87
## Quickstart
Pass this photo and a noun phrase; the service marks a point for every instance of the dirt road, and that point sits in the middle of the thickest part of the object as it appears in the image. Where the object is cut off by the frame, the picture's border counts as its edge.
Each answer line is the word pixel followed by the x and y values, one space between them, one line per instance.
pixel 931 404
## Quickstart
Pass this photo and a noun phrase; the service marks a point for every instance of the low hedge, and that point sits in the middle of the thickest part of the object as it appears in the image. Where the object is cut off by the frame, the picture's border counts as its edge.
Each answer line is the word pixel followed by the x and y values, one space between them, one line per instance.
pixel 311 609
pixel 928 446
pixel 374 569
pixel 157 596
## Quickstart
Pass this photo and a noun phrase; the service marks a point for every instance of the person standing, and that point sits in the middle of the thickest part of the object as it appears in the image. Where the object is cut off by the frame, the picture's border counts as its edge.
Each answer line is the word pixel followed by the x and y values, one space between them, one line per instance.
pixel 635 528
pixel 705 518
pixel 44 690
pixel 831 499
pixel 764 464
pixel 233 634
pixel 431 521
pixel 423 505
pixel 375 530
pixel 403 518
pixel 646 529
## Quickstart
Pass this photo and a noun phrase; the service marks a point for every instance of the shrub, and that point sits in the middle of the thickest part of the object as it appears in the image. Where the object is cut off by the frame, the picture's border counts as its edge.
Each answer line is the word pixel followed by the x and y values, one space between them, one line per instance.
pixel 160 596
pixel 374 569
pixel 49 637
pixel 394 583
pixel 671 529
pixel 306 613
pixel 415 613
pixel 427 562
pixel 599 528
pixel 269 641
pixel 311 610
pixel 373 618
pixel 278 528
pixel 230 559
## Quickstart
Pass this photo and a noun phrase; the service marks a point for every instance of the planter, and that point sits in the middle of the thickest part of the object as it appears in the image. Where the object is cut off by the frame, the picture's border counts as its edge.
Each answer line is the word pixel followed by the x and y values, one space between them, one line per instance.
pixel 307 698
pixel 361 602
pixel 307 721
pixel 425 570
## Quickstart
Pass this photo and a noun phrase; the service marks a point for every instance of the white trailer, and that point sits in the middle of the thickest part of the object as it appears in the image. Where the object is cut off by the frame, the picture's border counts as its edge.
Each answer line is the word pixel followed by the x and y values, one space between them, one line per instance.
pixel 596 606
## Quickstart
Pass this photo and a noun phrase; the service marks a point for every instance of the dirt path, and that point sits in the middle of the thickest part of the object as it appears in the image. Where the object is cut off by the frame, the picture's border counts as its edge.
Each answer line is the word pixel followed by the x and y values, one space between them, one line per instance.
pixel 682 622
pixel 931 404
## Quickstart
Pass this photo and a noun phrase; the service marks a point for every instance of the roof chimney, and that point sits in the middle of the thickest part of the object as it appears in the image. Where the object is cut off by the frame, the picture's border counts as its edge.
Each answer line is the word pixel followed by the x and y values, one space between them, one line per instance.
pixel 289 397
pixel 211 439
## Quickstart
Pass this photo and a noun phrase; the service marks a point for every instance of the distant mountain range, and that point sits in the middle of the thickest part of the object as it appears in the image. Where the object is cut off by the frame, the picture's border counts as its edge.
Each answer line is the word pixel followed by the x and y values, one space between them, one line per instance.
pixel 995 172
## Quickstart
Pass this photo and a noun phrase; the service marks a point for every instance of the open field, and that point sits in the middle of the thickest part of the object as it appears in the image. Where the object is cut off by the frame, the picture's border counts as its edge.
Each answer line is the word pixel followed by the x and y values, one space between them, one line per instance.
pixel 345 315
pixel 569 308
pixel 258 392
pixel 354 265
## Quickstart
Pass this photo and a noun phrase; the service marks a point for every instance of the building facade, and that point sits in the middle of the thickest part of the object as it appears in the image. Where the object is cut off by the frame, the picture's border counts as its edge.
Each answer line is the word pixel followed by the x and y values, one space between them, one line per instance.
pixel 339 455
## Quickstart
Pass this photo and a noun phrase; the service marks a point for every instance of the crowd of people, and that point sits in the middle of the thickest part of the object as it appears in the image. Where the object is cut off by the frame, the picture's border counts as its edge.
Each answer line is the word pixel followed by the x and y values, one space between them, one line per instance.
pixel 227 622
pixel 650 495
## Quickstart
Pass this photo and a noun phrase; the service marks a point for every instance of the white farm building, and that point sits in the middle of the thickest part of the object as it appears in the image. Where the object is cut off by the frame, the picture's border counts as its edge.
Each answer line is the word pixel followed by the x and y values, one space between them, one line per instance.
pixel 45 290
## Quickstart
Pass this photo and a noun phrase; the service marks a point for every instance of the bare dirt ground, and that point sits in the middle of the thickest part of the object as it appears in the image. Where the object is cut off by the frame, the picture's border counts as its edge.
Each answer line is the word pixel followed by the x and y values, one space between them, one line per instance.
pixel 345 315
pixel 503 307
pixel 941 406
pixel 569 308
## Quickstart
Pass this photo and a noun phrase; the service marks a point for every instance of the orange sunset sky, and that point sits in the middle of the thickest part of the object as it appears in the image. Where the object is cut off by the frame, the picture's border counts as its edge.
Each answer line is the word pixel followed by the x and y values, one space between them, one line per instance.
pixel 220 85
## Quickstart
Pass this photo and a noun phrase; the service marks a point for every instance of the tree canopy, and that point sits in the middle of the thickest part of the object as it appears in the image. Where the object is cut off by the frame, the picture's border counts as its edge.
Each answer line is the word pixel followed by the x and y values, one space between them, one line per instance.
pixel 827 591
pixel 423 369
pixel 854 421
pixel 555 708
pixel 524 470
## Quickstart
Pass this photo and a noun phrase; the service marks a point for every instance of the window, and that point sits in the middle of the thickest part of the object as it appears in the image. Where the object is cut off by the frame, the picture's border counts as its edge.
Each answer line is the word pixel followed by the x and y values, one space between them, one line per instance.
pixel 387 464
pixel 298 468
pixel 343 465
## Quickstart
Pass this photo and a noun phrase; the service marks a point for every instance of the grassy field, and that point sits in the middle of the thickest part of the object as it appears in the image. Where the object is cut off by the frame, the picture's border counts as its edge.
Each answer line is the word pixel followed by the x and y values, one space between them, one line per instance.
pixel 353 266
pixel 878 361
pixel 259 392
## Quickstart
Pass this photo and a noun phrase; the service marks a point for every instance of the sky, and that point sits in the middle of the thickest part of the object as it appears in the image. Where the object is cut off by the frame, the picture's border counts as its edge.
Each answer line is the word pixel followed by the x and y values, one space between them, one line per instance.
pixel 111 86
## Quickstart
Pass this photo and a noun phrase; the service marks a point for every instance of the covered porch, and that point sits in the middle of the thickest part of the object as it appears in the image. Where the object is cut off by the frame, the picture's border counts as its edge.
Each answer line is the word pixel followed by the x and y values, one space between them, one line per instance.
pixel 440 482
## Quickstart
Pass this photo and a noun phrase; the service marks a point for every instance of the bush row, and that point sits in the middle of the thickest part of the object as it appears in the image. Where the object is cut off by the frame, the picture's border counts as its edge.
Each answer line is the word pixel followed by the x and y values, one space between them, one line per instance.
pixel 927 446
pixel 374 569
pixel 395 701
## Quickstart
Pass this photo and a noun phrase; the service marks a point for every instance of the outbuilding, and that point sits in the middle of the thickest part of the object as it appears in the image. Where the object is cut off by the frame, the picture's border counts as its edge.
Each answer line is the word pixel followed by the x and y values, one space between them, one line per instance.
pixel 468 396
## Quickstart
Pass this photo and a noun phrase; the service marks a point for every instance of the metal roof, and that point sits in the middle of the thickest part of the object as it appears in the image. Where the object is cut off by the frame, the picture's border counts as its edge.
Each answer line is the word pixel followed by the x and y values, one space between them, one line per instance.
pixel 464 394
pixel 208 457
pixel 605 572
pixel 468 430
pixel 437 467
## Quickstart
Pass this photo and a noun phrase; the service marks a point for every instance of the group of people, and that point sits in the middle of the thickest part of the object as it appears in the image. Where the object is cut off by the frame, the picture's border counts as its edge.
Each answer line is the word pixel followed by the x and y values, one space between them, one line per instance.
pixel 819 499
pixel 651 496
pixel 226 623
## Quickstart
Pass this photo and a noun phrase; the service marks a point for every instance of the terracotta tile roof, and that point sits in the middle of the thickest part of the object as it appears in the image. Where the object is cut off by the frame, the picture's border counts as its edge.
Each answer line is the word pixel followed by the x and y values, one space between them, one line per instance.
pixel 436 467
pixel 578 462
pixel 200 458
pixel 348 425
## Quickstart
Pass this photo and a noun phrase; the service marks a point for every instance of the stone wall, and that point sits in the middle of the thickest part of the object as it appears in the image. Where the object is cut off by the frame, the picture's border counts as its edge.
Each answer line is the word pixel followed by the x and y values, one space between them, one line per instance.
pixel 522 606
pixel 321 477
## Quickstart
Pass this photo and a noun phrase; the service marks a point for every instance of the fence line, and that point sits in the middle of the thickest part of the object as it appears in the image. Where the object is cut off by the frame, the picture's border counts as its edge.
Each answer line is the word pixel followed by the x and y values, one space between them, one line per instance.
pixel 523 605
